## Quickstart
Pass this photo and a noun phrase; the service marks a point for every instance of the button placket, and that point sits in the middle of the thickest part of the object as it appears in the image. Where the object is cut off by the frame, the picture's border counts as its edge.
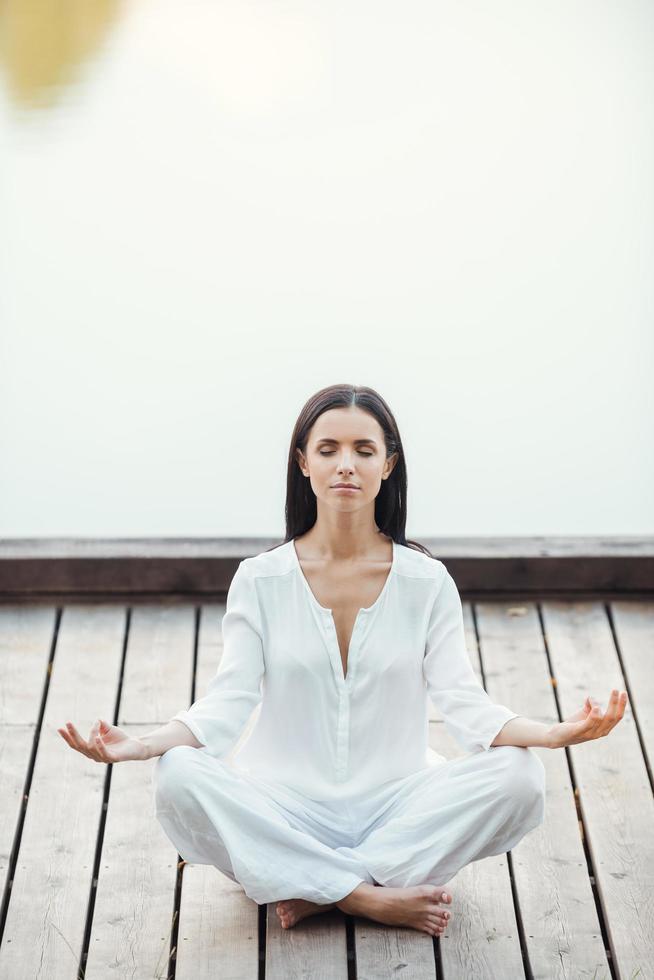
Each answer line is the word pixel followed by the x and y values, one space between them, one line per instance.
pixel 342 732
pixel 342 736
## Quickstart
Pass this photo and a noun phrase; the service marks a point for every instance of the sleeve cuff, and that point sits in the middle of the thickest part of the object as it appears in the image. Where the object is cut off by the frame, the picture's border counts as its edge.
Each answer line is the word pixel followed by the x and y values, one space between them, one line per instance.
pixel 496 731
pixel 184 717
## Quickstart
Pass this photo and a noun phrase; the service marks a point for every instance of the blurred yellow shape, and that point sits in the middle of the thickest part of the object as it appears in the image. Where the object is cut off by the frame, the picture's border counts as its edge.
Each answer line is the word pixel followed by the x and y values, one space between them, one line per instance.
pixel 43 42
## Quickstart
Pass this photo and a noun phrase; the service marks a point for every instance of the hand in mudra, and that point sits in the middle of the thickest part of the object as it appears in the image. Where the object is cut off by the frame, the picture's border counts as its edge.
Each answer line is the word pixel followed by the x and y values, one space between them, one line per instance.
pixel 589 722
pixel 106 743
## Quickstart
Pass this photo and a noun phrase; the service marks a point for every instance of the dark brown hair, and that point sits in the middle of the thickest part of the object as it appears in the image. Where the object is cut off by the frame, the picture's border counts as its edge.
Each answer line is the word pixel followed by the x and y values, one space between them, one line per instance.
pixel 390 504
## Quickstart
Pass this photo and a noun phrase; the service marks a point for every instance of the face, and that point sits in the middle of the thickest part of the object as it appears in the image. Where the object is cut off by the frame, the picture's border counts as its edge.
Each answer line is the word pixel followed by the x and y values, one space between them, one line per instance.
pixel 346 445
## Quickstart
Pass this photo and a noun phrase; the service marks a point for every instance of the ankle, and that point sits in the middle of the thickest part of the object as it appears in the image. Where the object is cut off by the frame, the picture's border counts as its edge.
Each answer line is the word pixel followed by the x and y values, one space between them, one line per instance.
pixel 357 899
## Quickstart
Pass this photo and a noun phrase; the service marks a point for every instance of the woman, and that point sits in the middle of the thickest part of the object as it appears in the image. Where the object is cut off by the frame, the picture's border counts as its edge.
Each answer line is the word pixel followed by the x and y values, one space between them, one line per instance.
pixel 340 635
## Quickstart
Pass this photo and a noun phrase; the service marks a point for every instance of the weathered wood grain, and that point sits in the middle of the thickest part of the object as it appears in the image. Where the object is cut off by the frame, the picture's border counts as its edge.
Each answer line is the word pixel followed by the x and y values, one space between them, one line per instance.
pixel 614 790
pixel 218 931
pixel 44 930
pixel 315 947
pixel 634 627
pixel 133 911
pixel 218 928
pixel 159 664
pixel 561 928
pixel 384 952
pixel 26 636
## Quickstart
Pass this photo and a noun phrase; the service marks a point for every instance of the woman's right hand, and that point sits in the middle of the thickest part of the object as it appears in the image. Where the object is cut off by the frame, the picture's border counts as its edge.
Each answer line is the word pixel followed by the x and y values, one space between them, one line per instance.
pixel 106 743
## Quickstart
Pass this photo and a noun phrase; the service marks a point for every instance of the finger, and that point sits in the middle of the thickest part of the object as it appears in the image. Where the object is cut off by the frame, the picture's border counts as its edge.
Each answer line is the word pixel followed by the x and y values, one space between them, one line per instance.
pixel 71 741
pixel 101 749
pixel 96 730
pixel 77 739
pixel 64 735
pixel 614 706
pixel 79 742
pixel 619 699
pixel 610 713
pixel 586 708
pixel 71 733
pixel 590 726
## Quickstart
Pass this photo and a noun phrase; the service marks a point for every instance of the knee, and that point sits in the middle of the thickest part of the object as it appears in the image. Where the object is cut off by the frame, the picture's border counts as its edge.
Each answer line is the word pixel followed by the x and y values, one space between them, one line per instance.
pixel 521 776
pixel 171 771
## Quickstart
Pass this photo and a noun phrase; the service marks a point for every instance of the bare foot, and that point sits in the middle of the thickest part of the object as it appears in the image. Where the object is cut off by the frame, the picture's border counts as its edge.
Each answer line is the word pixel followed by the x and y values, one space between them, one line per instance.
pixel 291 910
pixel 418 907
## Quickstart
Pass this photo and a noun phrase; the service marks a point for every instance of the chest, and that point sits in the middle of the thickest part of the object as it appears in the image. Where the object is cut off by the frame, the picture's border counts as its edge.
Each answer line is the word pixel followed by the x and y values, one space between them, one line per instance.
pixel 345 590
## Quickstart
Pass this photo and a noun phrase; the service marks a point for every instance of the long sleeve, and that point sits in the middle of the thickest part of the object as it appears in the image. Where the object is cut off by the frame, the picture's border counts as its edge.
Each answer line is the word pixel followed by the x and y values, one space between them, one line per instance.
pixel 469 714
pixel 218 719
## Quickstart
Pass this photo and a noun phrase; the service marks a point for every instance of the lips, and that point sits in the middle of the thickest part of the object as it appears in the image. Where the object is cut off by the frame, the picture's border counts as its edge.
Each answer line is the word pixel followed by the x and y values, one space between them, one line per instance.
pixel 344 486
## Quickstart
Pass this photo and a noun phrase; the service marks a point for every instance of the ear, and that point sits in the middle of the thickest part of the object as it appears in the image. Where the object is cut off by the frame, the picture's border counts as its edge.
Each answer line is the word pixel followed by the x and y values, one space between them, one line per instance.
pixel 301 462
pixel 390 465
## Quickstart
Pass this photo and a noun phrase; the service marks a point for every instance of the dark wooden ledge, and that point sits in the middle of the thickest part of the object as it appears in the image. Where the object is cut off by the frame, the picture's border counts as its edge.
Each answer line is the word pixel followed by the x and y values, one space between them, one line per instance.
pixel 142 567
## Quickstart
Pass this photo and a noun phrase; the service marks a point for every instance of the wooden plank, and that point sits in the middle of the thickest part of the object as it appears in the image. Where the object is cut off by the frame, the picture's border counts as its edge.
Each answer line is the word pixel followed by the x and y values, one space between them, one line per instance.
pixel 614 790
pixel 218 928
pixel 26 636
pixel 634 627
pixel 561 928
pixel 316 947
pixel 46 918
pixel 210 645
pixel 132 917
pixel 384 952
pixel 159 663
pixel 480 566
pixel 481 939
pixel 133 912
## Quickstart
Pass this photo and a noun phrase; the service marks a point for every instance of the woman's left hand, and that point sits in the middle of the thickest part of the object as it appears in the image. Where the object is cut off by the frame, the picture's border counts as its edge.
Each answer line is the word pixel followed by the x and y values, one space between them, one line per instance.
pixel 589 722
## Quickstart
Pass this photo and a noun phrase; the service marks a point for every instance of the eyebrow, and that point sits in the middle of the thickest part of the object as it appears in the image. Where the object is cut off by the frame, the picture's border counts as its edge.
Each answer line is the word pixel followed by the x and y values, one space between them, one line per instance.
pixel 356 441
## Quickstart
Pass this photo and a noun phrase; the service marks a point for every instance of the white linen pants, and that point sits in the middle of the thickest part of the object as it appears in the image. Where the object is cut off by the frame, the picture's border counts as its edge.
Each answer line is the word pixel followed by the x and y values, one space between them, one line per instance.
pixel 278 844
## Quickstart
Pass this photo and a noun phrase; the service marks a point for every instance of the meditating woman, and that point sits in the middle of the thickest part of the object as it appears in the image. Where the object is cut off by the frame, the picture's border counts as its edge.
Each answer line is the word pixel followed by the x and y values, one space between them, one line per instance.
pixel 338 637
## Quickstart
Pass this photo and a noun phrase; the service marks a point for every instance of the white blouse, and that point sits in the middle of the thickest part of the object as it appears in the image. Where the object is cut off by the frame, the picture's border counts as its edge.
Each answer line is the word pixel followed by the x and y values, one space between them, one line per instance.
pixel 317 731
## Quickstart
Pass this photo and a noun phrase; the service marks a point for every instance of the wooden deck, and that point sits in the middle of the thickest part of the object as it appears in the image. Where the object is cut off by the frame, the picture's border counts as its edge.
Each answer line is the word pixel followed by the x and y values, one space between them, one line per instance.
pixel 92 887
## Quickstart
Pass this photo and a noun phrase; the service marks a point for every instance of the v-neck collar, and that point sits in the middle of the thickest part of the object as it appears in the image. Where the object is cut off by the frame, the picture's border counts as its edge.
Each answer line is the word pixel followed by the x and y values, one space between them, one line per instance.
pixel 364 609
pixel 325 617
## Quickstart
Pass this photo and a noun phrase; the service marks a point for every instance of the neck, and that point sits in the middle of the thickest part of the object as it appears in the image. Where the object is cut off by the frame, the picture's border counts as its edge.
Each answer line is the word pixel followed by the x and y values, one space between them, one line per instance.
pixel 333 539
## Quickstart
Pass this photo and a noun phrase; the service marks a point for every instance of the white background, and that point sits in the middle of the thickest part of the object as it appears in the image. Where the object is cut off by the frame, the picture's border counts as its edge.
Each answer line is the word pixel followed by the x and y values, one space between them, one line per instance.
pixel 225 206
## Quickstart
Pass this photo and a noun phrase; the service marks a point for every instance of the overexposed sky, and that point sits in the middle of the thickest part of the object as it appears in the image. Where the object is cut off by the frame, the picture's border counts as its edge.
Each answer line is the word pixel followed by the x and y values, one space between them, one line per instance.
pixel 227 206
